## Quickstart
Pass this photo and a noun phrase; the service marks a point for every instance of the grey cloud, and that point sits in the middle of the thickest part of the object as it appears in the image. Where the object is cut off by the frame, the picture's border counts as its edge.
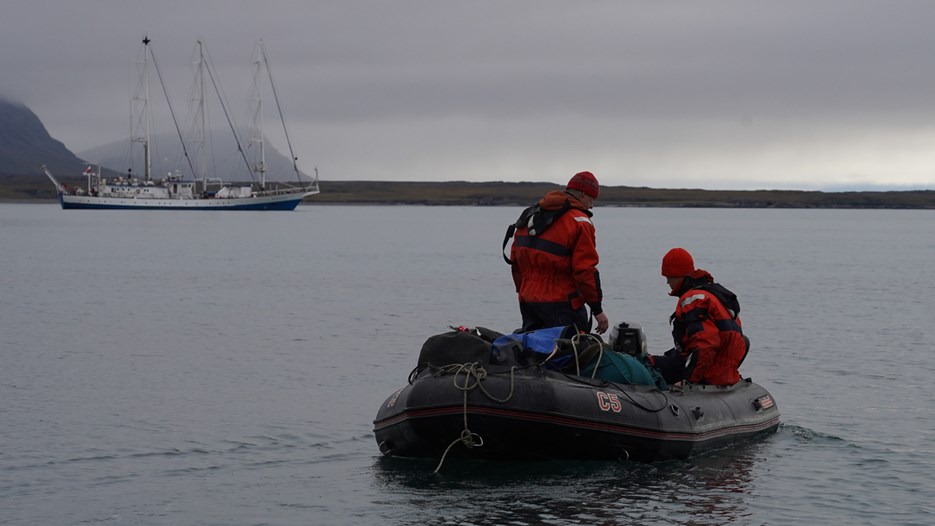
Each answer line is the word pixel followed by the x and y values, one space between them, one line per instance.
pixel 689 92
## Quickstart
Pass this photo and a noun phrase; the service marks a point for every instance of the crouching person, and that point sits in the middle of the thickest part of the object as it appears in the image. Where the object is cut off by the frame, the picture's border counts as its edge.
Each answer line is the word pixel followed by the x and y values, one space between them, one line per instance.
pixel 706 328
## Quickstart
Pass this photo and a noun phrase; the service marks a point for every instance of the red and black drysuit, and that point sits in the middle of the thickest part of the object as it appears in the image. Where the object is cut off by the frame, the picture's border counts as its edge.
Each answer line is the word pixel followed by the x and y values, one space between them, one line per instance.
pixel 708 335
pixel 554 262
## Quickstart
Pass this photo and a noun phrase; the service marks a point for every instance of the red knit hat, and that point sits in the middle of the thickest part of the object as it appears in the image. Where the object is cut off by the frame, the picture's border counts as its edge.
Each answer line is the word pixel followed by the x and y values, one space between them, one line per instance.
pixel 677 263
pixel 585 182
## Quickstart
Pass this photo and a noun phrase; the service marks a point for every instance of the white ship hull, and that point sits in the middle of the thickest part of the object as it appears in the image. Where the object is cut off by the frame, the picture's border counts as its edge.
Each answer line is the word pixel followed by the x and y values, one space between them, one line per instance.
pixel 282 201
pixel 176 191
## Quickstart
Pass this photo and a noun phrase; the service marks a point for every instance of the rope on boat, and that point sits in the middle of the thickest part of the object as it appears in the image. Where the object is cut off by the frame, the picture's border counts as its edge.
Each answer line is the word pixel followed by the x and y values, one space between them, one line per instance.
pixel 624 392
pixel 476 371
pixel 590 339
pixel 575 341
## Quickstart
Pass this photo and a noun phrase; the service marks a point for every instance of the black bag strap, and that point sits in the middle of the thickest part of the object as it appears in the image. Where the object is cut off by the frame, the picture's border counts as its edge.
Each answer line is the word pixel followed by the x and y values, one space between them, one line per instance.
pixel 510 230
pixel 522 221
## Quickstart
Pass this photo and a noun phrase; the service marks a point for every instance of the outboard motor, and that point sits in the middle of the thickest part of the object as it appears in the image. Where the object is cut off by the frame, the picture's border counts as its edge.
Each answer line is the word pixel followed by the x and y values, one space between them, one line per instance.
pixel 628 338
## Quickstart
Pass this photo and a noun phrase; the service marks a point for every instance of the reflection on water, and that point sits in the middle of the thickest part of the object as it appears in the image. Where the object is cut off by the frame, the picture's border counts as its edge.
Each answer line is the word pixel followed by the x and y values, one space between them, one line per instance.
pixel 705 490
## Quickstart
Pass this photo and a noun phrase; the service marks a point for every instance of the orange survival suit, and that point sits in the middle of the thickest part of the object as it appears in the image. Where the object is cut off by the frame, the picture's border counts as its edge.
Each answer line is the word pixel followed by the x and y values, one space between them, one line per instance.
pixel 707 333
pixel 554 263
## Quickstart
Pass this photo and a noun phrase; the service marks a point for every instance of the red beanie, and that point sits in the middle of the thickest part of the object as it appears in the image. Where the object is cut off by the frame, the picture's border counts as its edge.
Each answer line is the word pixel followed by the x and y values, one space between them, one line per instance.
pixel 585 182
pixel 677 263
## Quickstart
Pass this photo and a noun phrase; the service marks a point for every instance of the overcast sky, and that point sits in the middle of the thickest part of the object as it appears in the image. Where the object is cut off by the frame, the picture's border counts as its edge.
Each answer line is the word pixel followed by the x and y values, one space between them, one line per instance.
pixel 703 94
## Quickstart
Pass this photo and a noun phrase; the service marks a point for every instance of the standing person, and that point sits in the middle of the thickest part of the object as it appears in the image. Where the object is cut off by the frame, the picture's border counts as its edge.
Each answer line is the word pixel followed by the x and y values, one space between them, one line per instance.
pixel 709 340
pixel 554 259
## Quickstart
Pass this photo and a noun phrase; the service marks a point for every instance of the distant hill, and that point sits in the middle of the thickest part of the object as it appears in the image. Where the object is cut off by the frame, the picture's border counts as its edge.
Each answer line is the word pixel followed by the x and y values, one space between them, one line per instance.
pixel 25 144
pixel 461 193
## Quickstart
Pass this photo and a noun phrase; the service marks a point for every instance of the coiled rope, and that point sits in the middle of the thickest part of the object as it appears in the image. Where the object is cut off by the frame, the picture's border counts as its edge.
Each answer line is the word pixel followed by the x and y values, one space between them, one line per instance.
pixel 474 374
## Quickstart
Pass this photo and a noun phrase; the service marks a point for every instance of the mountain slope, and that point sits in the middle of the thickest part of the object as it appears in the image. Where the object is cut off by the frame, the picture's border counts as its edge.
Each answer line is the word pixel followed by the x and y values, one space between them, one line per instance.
pixel 25 144
pixel 167 157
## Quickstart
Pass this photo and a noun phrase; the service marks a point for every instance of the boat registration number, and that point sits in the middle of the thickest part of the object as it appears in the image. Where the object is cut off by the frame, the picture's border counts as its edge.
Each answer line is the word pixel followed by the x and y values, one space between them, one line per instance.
pixel 608 402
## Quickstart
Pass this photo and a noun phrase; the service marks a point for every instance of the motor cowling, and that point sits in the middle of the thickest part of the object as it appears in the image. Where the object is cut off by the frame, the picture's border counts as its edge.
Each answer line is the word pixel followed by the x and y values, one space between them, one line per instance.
pixel 628 338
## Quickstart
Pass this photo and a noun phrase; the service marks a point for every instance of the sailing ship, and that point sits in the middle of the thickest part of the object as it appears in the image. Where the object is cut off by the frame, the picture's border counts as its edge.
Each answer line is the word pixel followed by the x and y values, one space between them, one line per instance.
pixel 200 192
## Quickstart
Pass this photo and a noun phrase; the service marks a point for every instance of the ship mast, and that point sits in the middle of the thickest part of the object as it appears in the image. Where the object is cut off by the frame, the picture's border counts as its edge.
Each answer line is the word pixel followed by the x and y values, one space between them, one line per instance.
pixel 142 99
pixel 282 118
pixel 144 126
pixel 200 116
pixel 258 133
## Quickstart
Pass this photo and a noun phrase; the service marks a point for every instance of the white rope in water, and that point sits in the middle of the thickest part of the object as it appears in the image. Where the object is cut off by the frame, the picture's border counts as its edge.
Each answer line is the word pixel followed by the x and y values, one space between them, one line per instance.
pixel 476 371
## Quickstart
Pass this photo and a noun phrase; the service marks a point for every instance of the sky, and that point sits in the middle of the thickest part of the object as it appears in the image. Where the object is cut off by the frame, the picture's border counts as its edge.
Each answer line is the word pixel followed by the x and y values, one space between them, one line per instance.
pixel 809 95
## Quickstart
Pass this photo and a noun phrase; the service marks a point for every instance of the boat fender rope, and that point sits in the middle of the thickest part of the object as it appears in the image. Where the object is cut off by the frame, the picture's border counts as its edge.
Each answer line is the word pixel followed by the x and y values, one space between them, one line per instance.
pixel 467 438
pixel 476 371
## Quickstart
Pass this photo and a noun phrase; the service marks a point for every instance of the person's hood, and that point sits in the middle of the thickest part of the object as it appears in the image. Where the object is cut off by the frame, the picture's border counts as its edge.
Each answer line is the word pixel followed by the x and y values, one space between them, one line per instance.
pixel 697 277
pixel 556 199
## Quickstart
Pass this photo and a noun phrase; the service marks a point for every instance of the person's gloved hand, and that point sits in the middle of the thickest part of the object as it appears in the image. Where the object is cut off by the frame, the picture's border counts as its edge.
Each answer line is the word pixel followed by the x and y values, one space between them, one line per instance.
pixel 671 365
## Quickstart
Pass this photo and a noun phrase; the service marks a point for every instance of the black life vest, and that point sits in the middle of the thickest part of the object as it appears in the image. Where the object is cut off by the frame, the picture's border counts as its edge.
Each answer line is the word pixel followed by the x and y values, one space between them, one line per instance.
pixel 727 298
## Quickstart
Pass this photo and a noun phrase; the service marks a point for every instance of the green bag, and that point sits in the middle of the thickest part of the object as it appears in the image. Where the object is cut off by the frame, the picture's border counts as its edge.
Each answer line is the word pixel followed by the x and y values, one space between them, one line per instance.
pixel 625 369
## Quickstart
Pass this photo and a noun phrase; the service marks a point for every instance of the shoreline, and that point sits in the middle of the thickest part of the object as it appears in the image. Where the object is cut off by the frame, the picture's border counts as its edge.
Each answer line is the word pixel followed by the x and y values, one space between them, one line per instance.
pixel 28 189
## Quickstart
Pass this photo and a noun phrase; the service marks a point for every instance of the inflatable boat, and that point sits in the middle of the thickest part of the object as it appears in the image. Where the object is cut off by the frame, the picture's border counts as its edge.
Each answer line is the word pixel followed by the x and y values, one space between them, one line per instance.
pixel 461 402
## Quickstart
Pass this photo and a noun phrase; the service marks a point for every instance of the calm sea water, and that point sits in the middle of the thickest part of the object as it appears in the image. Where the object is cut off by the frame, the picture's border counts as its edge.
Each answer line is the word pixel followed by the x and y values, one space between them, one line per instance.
pixel 194 368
